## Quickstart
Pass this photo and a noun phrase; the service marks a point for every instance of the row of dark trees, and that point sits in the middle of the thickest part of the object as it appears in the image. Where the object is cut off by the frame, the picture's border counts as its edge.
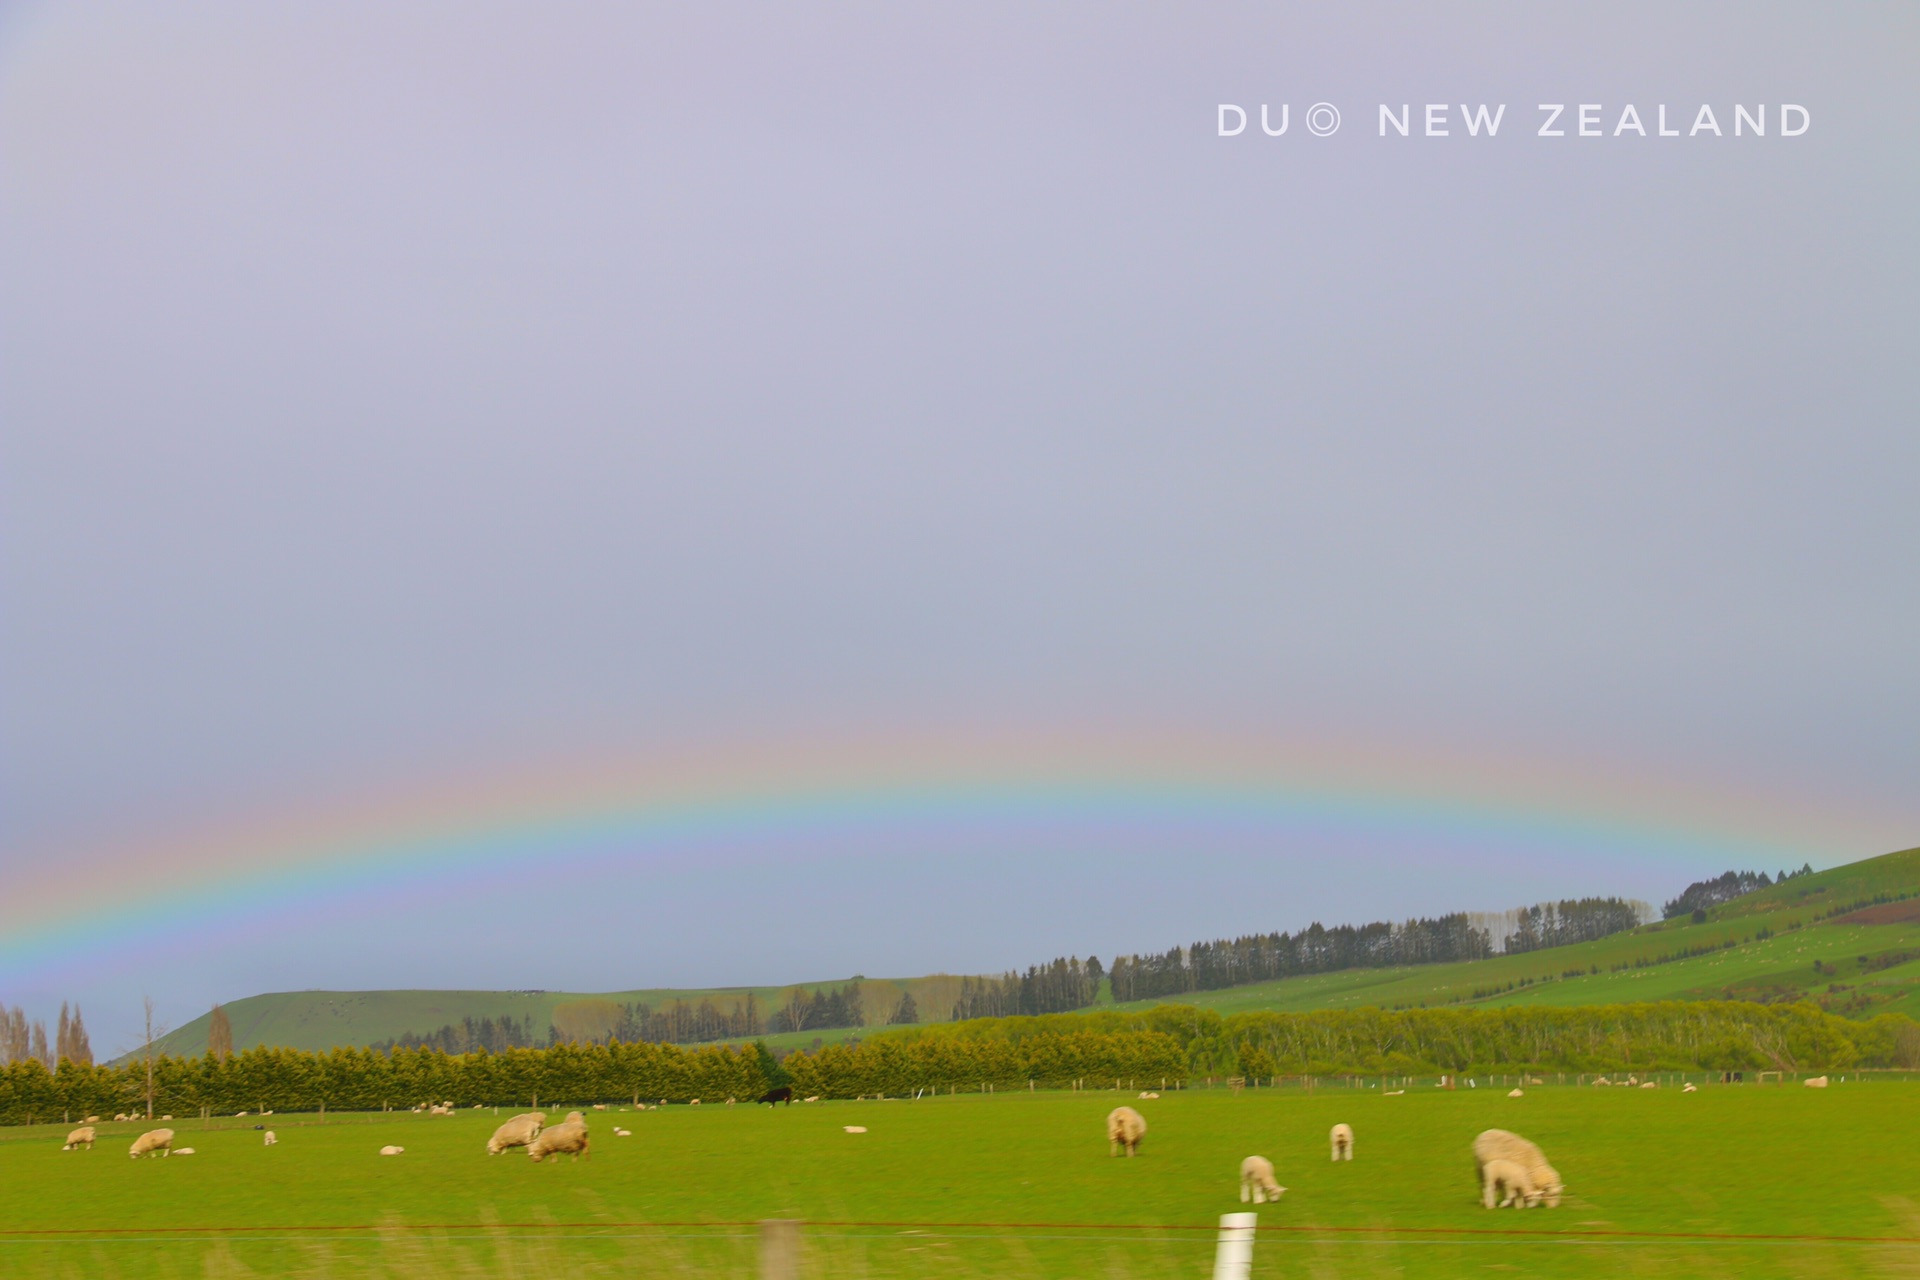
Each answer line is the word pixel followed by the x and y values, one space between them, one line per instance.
pixel 488 1035
pixel 1702 894
pixel 1066 984
pixel 21 1040
pixel 1558 924
pixel 1168 1042
pixel 1259 957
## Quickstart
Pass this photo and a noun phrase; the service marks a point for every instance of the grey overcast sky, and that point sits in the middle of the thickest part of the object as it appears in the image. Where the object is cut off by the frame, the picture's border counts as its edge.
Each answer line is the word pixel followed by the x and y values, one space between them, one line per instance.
pixel 393 392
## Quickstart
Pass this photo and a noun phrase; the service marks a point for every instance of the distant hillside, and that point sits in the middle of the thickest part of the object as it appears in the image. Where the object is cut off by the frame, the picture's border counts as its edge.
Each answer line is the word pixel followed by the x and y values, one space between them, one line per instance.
pixel 1847 938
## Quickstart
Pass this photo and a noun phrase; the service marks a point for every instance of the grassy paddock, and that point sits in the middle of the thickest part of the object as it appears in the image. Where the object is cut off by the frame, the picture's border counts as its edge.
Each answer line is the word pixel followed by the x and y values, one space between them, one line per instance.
pixel 1660 1184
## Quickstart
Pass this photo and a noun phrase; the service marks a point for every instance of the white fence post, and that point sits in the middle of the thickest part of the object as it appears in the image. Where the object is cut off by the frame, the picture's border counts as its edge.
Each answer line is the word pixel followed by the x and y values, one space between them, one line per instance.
pixel 1233 1256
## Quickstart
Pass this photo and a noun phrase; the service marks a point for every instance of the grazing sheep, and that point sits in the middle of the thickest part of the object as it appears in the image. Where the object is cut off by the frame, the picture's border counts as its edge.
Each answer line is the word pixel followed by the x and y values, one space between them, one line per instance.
pixel 1516 1093
pixel 1815 1082
pixel 1341 1138
pixel 854 1128
pixel 569 1136
pixel 517 1132
pixel 391 1151
pixel 81 1137
pixel 1498 1144
pixel 1535 1080
pixel 91 1120
pixel 183 1151
pixel 1601 1080
pixel 271 1139
pixel 573 1116
pixel 599 1106
pixel 120 1118
pixel 152 1140
pixel 1256 1181
pixel 1125 1128
pixel 1509 1179
pixel 694 1102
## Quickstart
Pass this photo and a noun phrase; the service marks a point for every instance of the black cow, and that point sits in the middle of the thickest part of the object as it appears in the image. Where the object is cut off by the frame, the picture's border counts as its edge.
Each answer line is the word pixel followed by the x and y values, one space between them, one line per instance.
pixel 783 1094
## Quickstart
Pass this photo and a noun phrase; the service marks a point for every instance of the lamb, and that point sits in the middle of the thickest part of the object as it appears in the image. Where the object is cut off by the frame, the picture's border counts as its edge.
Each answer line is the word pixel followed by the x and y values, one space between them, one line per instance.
pixel 271 1140
pixel 81 1137
pixel 1510 1178
pixel 1341 1138
pixel 517 1132
pixel 1256 1181
pixel 1815 1082
pixel 1125 1128
pixel 1498 1144
pixel 569 1136
pixel 152 1140
pixel 391 1151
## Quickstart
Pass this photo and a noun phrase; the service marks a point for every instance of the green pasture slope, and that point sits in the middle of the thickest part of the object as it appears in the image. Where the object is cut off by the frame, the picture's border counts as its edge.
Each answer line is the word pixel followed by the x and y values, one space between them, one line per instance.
pixel 1854 978
pixel 1737 1181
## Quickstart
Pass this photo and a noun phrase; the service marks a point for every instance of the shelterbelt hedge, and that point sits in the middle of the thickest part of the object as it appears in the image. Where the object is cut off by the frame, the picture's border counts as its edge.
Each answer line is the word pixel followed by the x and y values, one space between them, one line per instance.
pixel 1169 1043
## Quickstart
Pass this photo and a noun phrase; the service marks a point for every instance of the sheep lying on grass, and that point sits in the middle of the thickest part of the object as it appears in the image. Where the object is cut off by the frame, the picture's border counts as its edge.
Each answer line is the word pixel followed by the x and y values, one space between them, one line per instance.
pixel 1256 1181
pixel 1125 1128
pixel 183 1151
pixel 569 1136
pixel 1509 1182
pixel 1516 1093
pixel 91 1120
pixel 853 1128
pixel 1689 1088
pixel 391 1151
pixel 622 1133
pixel 1498 1144
pixel 1815 1082
pixel 81 1137
pixel 160 1140
pixel 1148 1093
pixel 517 1132
pixel 1340 1137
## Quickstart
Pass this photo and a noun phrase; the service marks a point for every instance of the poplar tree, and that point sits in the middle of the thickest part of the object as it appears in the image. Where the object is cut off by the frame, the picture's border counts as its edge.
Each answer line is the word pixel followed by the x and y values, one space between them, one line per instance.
pixel 219 1034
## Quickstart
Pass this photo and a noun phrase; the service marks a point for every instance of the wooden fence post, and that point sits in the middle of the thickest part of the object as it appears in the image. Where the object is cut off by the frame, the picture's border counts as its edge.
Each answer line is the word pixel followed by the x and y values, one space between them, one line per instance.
pixel 780 1249
pixel 1233 1255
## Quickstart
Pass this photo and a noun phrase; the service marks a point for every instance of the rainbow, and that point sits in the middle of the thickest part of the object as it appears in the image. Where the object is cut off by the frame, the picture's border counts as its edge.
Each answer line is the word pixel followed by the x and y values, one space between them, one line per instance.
pixel 804 806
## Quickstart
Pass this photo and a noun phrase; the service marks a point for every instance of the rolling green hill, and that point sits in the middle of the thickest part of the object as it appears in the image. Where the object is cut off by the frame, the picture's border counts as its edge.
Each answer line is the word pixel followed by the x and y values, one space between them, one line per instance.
pixel 1847 938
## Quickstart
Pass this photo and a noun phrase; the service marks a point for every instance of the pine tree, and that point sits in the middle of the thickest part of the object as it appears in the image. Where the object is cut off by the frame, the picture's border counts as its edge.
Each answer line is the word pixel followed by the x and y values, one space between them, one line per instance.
pixel 906 1012
pixel 219 1034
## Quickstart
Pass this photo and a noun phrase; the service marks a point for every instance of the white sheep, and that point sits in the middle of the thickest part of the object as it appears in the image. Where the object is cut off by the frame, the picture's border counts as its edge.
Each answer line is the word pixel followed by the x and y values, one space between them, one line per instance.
pixel 1340 1137
pixel 239 1115
pixel 81 1137
pixel 391 1151
pixel 1509 1182
pixel 1257 1182
pixel 569 1136
pixel 1125 1128
pixel 183 1151
pixel 1148 1093
pixel 1498 1144
pixel 1516 1093
pixel 1649 1084
pixel 271 1139
pixel 91 1120
pixel 1815 1082
pixel 152 1140
pixel 854 1128
pixel 517 1132
pixel 622 1133
pixel 814 1098
pixel 1689 1088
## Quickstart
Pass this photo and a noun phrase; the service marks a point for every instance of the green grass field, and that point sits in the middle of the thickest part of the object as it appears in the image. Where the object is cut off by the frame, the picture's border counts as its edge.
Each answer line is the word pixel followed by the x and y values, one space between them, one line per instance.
pixel 1661 1183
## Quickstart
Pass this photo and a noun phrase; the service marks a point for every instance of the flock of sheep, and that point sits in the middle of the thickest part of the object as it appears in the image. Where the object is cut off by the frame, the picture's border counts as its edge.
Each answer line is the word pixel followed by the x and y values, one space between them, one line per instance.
pixel 1511 1171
